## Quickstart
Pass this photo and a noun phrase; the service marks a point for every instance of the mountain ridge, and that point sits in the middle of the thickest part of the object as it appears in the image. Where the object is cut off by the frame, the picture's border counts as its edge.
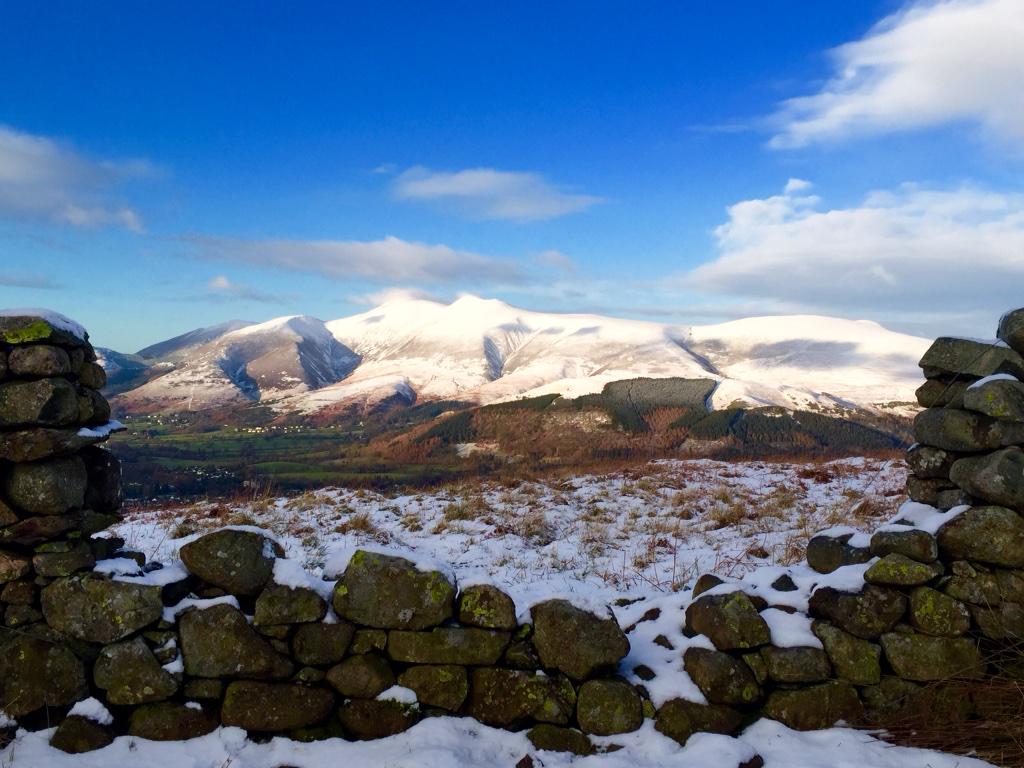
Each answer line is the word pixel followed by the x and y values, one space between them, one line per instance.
pixel 409 350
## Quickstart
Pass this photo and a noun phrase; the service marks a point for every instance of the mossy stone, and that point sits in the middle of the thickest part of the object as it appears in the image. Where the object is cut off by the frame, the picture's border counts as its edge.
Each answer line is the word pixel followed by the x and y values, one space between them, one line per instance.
pixel 854 660
pixel 924 658
pixel 239 562
pixel 48 487
pixel 993 535
pixel 131 675
pixel 219 642
pixel 815 707
pixel 62 558
pixel 608 707
pixel 170 721
pixel 996 477
pixel 44 402
pixel 386 592
pixel 729 620
pixel 998 398
pixel 77 735
pixel 467 646
pixel 100 610
pixel 826 553
pixel 888 697
pixel 487 607
pixel 912 542
pixel 368 641
pixel 275 707
pixel 362 677
pixel 865 614
pixel 575 641
pixel 506 698
pixel 553 738
pixel 722 678
pixel 935 613
pixel 13 566
pixel 926 461
pixel 679 719
pixel 203 688
pixel 278 604
pixel 442 686
pixel 801 664
pixel 958 430
pixel 371 719
pixel 35 673
pixel 951 355
pixel 322 644
pixel 32 329
pixel 38 360
pixel 1002 622
pixel 897 570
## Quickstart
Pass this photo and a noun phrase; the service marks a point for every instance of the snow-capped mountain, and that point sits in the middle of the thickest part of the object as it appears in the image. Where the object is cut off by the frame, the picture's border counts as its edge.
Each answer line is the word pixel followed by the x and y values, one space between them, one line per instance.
pixel 415 350
pixel 264 362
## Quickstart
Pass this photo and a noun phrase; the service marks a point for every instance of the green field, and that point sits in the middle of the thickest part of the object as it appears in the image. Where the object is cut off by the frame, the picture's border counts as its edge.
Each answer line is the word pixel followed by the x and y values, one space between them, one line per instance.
pixel 175 459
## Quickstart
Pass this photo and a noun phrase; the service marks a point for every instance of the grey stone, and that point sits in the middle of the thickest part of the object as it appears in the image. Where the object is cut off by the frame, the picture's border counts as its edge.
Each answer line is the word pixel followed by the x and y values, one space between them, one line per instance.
pixel 993 535
pixel 239 562
pixel 575 641
pixel 923 658
pixel 995 477
pixel 1011 330
pixel 99 610
pixel 958 430
pixel 131 675
pixel 949 355
pixel 50 487
pixel 826 553
pixel 387 592
pixel 43 402
pixel 729 620
pixel 38 360
pixel 219 642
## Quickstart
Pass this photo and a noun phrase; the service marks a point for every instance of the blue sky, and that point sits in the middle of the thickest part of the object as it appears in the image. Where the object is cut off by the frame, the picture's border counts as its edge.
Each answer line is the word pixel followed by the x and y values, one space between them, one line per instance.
pixel 189 163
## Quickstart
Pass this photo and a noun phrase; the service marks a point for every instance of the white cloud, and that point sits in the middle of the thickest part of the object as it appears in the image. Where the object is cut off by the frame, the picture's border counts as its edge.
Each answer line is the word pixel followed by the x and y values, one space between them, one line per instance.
pixel 223 287
pixel 42 179
pixel 491 194
pixel 905 255
pixel 389 260
pixel 19 280
pixel 930 64
pixel 554 259
pixel 376 298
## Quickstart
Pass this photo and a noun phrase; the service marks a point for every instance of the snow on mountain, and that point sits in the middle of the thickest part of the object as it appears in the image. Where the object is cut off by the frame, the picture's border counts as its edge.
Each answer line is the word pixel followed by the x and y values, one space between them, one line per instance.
pixel 253 363
pixel 484 350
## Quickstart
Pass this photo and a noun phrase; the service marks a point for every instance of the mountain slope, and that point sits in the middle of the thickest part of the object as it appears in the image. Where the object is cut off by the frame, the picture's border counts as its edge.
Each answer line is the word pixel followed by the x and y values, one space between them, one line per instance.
pixel 285 356
pixel 482 350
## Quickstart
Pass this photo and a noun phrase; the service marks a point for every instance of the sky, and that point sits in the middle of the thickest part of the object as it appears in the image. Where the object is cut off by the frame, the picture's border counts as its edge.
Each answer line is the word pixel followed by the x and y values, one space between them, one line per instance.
pixel 165 166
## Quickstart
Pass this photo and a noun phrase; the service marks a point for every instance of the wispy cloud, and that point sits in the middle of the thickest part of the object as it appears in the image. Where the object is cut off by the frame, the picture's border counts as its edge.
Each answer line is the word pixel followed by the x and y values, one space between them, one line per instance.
pixel 389 260
pixel 903 254
pixel 492 194
pixel 222 287
pixel 554 259
pixel 930 64
pixel 43 179
pixel 17 280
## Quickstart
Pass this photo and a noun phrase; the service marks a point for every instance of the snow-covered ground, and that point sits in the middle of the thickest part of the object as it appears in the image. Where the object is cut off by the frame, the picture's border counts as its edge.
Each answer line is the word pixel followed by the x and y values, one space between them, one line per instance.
pixel 446 742
pixel 644 534
pixel 651 530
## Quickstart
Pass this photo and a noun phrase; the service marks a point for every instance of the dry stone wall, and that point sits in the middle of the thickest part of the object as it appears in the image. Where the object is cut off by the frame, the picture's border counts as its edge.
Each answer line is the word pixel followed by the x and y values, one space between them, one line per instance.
pixel 935 597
